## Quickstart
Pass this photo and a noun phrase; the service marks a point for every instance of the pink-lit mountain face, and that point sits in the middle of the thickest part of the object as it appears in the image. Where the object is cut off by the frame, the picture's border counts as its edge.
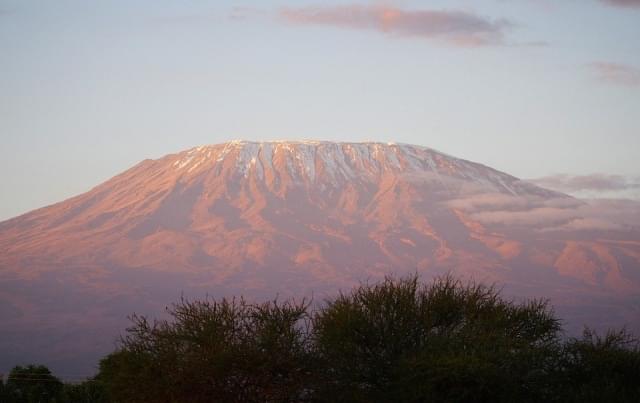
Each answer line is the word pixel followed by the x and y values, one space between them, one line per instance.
pixel 297 219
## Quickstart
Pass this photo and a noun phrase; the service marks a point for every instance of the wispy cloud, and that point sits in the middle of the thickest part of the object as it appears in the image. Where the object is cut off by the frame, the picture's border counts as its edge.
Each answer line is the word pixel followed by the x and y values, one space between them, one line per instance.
pixel 243 12
pixel 593 182
pixel 458 28
pixel 534 44
pixel 616 73
pixel 622 3
pixel 541 214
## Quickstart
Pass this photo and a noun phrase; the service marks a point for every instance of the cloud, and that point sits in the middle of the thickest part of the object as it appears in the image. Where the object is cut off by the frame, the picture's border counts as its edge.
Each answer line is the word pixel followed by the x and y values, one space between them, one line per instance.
pixel 622 211
pixel 604 214
pixel 530 211
pixel 579 224
pixel 490 202
pixel 593 182
pixel 546 215
pixel 616 73
pixel 622 3
pixel 543 217
pixel 458 28
pixel 534 44
pixel 242 12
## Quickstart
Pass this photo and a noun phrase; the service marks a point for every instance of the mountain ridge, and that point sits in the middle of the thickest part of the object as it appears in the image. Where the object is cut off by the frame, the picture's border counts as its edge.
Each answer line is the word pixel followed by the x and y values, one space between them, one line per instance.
pixel 294 218
pixel 317 166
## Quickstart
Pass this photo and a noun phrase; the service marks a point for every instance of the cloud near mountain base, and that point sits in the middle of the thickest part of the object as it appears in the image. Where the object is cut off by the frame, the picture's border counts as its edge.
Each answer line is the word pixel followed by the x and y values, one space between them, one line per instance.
pixel 560 214
pixel 593 186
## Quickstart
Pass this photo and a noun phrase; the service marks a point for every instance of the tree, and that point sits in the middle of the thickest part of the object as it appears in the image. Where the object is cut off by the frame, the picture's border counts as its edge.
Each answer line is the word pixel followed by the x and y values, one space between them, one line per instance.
pixel 90 391
pixel 399 340
pixel 447 341
pixel 32 384
pixel 597 369
pixel 225 350
pixel 3 397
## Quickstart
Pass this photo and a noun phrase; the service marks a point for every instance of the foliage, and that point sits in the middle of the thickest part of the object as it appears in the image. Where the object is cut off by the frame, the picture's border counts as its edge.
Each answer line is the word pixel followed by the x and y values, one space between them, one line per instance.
pixel 89 391
pixel 32 384
pixel 597 369
pixel 447 341
pixel 225 350
pixel 399 340
pixel 36 384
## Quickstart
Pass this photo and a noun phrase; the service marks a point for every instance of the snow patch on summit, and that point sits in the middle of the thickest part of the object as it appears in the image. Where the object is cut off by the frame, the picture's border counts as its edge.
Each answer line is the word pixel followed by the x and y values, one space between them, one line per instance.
pixel 334 163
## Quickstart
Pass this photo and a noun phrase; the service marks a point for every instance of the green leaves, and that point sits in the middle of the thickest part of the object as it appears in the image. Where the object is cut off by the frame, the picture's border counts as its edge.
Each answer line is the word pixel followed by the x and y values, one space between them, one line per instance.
pixel 398 340
pixel 601 368
pixel 32 384
pixel 446 341
pixel 225 350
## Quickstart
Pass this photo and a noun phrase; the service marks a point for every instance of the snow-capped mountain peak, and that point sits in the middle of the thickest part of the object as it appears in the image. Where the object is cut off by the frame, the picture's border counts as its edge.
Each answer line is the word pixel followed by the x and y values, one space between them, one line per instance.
pixel 333 163
pixel 297 218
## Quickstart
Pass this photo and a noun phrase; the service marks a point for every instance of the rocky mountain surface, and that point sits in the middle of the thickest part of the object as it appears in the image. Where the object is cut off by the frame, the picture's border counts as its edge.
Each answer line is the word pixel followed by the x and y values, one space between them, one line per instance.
pixel 297 219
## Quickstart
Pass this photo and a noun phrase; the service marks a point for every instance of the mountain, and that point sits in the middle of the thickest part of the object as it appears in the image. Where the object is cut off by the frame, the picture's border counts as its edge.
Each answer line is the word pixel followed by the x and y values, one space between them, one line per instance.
pixel 294 219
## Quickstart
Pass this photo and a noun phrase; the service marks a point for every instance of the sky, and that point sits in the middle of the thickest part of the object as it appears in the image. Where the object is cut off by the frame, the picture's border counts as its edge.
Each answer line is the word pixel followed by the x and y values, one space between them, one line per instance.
pixel 536 88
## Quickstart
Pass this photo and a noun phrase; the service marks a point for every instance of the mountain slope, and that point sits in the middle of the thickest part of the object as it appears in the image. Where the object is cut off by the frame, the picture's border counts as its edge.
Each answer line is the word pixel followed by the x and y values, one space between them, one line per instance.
pixel 296 218
pixel 251 192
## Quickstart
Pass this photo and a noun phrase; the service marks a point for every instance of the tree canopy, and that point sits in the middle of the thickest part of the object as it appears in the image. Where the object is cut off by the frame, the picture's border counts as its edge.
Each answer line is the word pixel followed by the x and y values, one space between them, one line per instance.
pixel 31 384
pixel 445 341
pixel 225 351
pixel 397 340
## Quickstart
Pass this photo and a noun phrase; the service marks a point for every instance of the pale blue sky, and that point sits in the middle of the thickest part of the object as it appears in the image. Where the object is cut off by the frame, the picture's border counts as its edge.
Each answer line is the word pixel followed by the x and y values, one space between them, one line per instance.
pixel 89 88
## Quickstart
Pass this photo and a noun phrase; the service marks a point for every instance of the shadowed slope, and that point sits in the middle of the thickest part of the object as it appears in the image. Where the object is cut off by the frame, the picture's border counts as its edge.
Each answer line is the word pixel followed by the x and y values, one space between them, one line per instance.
pixel 294 218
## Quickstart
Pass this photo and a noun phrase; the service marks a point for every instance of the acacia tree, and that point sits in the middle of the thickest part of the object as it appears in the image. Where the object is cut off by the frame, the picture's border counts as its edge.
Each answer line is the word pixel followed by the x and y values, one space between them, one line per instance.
pixel 598 368
pixel 225 350
pixel 32 384
pixel 399 340
pixel 89 391
pixel 446 341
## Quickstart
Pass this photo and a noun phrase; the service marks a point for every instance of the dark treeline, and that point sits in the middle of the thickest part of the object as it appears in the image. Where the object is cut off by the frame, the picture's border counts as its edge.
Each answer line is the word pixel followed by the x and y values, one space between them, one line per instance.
pixel 396 341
